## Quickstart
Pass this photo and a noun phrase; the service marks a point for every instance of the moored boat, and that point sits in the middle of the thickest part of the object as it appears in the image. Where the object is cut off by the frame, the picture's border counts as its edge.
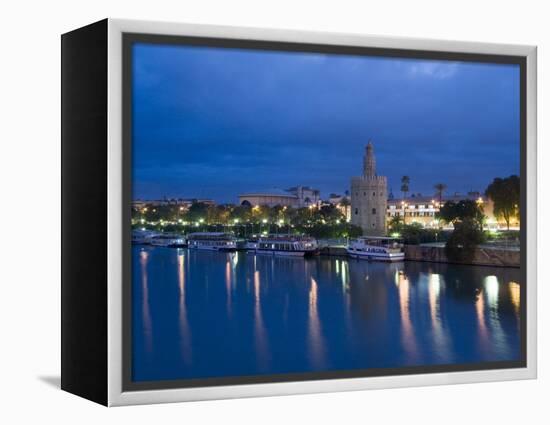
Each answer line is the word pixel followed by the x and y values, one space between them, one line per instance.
pixel 251 244
pixel 287 245
pixel 212 241
pixel 143 237
pixel 169 240
pixel 377 248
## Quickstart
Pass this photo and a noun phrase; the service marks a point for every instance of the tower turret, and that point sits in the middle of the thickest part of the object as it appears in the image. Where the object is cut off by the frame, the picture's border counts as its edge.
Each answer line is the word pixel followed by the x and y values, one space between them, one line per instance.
pixel 369 162
pixel 369 196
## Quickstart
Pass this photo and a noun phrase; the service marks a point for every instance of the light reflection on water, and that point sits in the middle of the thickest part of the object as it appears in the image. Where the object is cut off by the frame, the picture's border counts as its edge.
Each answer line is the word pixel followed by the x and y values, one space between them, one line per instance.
pixel 147 327
pixel 185 331
pixel 205 314
pixel 316 343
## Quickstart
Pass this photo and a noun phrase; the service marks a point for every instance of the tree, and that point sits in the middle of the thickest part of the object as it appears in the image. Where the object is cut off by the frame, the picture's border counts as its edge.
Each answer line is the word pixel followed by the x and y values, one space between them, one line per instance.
pixel 467 218
pixel 405 181
pixel 196 212
pixel 412 233
pixel 241 213
pixel 455 212
pixel 440 188
pixel 330 213
pixel 217 214
pixel 461 245
pixel 395 225
pixel 505 194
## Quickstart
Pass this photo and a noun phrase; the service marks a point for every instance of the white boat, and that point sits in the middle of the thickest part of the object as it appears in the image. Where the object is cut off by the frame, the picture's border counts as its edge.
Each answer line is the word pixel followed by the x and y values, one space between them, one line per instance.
pixel 251 244
pixel 292 246
pixel 376 248
pixel 169 240
pixel 212 241
pixel 143 237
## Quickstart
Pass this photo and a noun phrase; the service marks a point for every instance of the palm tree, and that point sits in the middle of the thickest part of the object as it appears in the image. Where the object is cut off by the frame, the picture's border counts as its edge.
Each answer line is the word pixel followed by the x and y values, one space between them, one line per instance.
pixel 440 188
pixel 405 180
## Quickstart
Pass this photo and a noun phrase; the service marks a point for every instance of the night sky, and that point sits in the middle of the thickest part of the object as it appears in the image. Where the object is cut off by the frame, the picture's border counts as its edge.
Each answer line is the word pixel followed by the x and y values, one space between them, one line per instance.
pixel 214 122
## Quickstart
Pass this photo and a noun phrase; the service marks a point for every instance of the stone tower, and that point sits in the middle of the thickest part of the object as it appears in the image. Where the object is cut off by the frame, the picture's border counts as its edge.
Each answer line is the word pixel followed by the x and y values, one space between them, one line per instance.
pixel 369 197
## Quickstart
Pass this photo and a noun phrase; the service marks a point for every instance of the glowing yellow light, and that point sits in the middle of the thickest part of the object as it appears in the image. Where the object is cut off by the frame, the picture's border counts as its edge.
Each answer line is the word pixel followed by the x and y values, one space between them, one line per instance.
pixel 515 291
pixel 491 287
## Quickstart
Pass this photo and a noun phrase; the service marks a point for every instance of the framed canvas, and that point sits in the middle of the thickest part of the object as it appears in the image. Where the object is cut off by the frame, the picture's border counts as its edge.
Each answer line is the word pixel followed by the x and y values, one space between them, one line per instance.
pixel 251 212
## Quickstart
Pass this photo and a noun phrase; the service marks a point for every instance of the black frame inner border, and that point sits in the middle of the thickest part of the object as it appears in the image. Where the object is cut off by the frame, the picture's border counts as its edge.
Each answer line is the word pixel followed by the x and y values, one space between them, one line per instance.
pixel 129 39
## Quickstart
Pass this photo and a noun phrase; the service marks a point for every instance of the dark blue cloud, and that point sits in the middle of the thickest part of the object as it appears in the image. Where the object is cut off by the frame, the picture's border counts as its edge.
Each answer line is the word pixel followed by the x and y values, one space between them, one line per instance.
pixel 214 122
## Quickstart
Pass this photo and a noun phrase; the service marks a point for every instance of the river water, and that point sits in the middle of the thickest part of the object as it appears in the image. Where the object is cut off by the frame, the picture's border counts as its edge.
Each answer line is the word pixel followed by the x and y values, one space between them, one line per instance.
pixel 201 314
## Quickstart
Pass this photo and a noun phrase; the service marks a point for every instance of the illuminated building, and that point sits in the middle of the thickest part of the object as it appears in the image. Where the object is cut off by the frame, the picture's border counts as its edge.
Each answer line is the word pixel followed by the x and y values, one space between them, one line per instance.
pixel 369 196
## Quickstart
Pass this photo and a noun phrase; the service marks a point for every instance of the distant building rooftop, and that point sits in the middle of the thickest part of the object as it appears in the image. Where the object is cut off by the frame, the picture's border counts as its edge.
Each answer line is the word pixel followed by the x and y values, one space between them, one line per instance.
pixel 427 199
pixel 270 192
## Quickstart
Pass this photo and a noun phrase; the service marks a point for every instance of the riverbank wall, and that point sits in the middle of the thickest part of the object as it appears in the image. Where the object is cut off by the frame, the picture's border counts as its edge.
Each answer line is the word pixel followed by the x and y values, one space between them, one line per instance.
pixel 482 256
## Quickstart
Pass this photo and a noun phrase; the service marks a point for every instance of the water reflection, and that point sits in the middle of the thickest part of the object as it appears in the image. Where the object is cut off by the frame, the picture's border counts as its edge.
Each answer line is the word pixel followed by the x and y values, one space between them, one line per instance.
pixel 407 330
pixel 228 286
pixel 185 330
pixel 240 314
pixel 262 348
pixel 316 343
pixel 440 337
pixel 515 292
pixel 483 340
pixel 492 288
pixel 145 307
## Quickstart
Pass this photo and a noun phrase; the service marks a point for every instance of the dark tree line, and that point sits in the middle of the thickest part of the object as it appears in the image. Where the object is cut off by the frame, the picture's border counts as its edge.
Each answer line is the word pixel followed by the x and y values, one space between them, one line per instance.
pixel 505 194
pixel 326 221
